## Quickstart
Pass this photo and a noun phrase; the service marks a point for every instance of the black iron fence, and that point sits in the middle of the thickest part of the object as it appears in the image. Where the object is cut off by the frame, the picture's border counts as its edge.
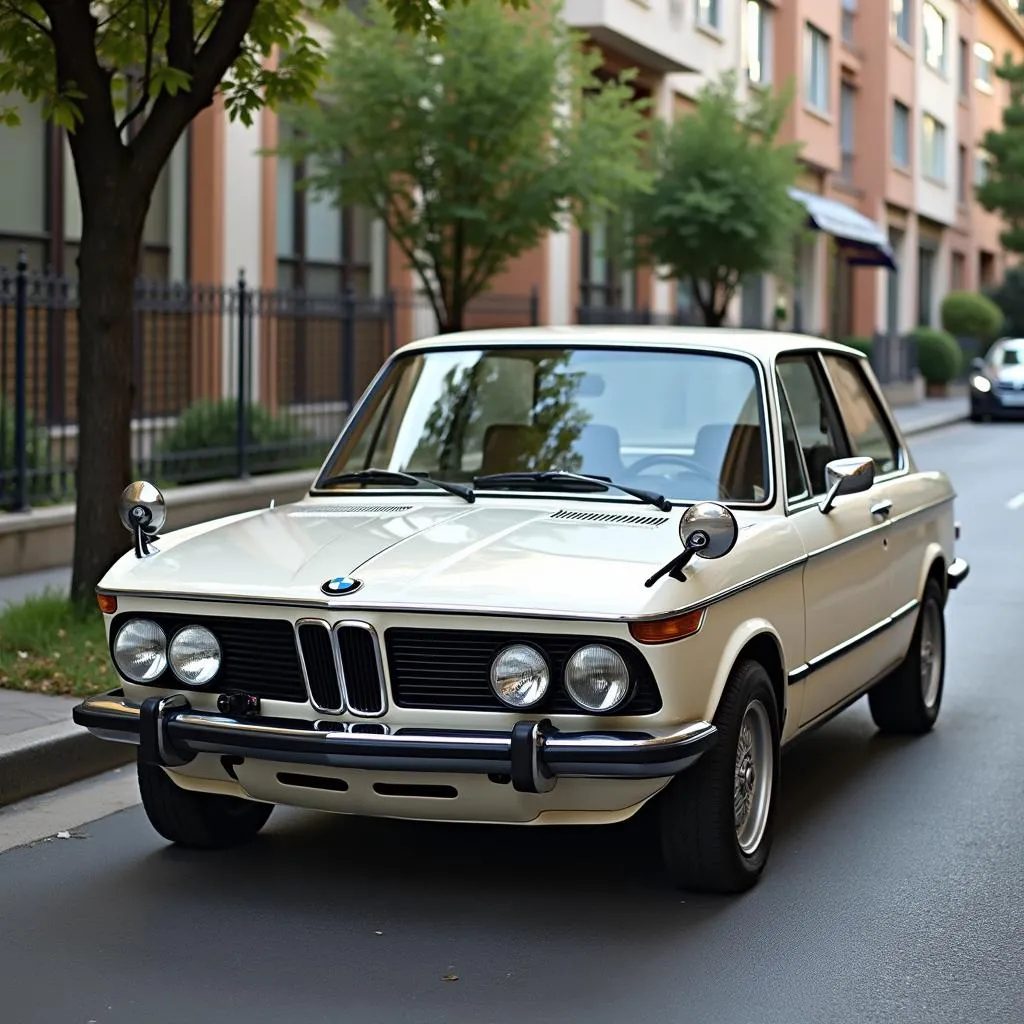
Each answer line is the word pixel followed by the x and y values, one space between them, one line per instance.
pixel 228 380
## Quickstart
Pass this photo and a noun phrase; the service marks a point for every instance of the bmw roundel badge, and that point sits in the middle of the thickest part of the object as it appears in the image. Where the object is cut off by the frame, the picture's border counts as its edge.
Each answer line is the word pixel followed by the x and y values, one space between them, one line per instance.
pixel 340 586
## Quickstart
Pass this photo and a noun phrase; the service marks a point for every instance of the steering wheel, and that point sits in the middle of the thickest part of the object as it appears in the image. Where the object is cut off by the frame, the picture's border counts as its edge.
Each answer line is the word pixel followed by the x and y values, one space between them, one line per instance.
pixel 691 465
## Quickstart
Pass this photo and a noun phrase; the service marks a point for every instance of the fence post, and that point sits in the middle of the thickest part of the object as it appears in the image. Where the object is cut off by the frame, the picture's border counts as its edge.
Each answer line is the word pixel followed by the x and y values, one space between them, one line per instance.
pixel 534 307
pixel 348 345
pixel 243 377
pixel 20 373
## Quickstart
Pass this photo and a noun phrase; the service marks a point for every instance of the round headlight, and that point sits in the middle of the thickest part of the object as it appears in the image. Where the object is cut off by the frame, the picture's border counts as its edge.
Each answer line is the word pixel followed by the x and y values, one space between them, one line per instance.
pixel 140 651
pixel 597 678
pixel 982 384
pixel 519 676
pixel 194 655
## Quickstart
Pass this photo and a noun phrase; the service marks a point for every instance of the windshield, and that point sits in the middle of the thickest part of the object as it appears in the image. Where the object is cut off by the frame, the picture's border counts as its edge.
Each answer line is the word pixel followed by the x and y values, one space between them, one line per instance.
pixel 685 424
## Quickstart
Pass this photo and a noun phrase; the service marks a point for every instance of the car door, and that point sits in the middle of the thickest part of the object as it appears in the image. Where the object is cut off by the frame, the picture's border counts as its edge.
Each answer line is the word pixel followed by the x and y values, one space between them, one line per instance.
pixel 896 495
pixel 846 575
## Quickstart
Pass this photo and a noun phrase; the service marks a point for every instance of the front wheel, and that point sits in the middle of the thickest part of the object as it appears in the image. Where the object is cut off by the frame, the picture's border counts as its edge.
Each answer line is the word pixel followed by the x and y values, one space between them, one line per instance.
pixel 201 820
pixel 906 703
pixel 717 817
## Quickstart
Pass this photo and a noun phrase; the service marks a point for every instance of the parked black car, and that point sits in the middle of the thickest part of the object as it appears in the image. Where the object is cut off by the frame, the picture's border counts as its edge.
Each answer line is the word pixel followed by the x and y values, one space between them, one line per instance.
pixel 997 382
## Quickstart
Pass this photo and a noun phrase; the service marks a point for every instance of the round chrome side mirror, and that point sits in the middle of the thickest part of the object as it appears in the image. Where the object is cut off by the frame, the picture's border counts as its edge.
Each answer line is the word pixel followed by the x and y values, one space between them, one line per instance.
pixel 708 529
pixel 143 512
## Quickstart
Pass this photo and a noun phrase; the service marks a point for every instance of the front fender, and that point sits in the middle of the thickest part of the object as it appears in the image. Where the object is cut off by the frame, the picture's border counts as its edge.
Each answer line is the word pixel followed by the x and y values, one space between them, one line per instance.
pixel 742 635
pixel 933 552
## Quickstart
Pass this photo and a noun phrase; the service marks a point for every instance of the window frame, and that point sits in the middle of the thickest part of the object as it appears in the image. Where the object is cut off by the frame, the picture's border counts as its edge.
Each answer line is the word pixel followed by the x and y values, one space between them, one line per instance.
pixel 704 21
pixel 821 369
pixel 765 39
pixel 901 108
pixel 888 427
pixel 938 149
pixel 901 18
pixel 986 85
pixel 815 42
pixel 942 68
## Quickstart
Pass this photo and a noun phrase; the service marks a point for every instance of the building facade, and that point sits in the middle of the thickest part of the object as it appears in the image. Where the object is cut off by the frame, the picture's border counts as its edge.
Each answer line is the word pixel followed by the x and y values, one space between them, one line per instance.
pixel 893 98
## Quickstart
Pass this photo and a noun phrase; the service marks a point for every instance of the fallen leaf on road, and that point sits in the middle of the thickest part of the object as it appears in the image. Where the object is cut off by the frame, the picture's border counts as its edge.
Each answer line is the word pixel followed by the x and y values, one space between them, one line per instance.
pixel 450 977
pixel 63 835
pixel 378 933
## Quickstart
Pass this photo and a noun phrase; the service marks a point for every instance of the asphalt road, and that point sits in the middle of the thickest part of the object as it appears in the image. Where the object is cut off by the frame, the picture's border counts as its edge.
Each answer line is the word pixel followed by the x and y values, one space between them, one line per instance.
pixel 895 892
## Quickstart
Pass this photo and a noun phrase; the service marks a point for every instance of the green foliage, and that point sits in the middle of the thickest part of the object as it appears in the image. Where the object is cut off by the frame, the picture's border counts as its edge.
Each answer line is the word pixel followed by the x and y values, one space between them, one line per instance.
pixel 36 451
pixel 1003 190
pixel 720 209
pixel 971 315
pixel 861 344
pixel 939 357
pixel 203 444
pixel 1008 295
pixel 453 142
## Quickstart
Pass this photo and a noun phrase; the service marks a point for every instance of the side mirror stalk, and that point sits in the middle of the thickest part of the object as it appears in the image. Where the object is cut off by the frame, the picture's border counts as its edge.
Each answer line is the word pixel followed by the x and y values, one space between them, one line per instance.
pixel 706 529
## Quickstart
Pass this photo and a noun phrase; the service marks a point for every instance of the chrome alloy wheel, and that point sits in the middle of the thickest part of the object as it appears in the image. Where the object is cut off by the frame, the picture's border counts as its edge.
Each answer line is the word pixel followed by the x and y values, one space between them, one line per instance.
pixel 752 785
pixel 932 654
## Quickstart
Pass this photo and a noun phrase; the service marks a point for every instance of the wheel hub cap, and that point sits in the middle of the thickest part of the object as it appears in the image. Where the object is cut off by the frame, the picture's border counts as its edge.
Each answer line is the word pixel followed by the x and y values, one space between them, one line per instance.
pixel 752 782
pixel 931 654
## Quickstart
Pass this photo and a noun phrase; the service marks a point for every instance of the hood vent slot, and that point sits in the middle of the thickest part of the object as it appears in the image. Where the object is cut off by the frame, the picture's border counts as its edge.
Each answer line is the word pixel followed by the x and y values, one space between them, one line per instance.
pixel 316 511
pixel 610 518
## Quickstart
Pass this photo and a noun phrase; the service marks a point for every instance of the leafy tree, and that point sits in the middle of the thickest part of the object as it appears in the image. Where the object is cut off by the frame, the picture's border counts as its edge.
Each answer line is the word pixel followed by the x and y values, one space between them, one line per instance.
pixel 720 207
pixel 470 145
pixel 125 79
pixel 1003 190
pixel 1008 295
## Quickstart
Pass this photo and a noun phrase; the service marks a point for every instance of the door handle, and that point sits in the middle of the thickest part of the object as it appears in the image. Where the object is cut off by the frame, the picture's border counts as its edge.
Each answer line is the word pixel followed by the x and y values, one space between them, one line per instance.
pixel 882 509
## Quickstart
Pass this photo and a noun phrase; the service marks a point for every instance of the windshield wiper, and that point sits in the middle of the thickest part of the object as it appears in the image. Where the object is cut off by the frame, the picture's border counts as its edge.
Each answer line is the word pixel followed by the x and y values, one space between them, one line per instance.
pixel 561 476
pixel 384 476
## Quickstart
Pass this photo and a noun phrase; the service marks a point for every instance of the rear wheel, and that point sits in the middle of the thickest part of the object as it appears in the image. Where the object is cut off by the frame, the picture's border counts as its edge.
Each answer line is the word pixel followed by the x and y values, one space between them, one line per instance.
pixel 907 702
pixel 717 817
pixel 199 820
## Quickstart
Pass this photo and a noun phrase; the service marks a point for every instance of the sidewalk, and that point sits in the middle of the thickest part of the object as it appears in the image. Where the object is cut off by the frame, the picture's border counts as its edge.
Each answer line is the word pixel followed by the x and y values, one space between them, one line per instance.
pixel 42 749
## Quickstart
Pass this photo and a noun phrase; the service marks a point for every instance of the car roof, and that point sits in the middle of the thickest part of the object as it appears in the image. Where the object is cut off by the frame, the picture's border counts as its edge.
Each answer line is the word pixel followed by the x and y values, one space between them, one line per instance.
pixel 760 344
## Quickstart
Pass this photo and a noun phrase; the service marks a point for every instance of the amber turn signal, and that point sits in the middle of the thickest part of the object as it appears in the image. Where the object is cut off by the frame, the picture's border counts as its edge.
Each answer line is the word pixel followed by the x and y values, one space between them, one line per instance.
pixel 107 603
pixel 662 631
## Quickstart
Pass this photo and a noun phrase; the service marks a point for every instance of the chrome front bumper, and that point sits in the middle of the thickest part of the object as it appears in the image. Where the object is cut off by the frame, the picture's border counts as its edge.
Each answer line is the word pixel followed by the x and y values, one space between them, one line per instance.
pixel 956 573
pixel 533 754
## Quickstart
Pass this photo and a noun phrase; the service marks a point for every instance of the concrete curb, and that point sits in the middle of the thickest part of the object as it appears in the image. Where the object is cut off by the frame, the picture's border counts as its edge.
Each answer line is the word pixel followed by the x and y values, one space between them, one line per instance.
pixel 935 423
pixel 44 759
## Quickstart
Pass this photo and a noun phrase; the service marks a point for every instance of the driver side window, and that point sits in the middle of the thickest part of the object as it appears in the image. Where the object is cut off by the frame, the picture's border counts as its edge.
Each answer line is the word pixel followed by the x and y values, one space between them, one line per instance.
pixel 817 424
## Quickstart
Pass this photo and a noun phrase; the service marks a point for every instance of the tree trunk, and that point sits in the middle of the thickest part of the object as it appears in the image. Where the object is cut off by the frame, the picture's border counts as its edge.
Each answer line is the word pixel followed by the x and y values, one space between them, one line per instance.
pixel 107 266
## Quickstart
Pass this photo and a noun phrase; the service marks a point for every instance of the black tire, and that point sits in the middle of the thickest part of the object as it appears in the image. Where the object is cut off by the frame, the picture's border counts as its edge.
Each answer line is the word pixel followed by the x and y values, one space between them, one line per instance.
pixel 199 820
pixel 900 704
pixel 976 417
pixel 700 847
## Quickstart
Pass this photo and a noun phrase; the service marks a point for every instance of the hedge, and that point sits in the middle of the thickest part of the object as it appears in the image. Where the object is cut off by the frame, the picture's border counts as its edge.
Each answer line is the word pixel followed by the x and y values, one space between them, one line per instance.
pixel 971 315
pixel 939 357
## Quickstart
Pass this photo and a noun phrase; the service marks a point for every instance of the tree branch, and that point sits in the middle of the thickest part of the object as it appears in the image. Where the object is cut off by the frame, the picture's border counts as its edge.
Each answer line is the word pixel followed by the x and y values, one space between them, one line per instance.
pixel 73 30
pixel 181 36
pixel 171 114
pixel 150 31
pixel 25 16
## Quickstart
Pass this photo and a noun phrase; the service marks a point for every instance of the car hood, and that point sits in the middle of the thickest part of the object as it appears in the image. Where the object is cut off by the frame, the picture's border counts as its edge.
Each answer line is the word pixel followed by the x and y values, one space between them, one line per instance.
pixel 1011 374
pixel 515 556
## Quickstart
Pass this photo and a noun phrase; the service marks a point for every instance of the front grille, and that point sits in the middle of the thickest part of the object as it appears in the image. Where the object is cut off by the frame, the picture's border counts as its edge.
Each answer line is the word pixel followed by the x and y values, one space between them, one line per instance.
pixel 1008 385
pixel 450 669
pixel 259 656
pixel 321 670
pixel 364 686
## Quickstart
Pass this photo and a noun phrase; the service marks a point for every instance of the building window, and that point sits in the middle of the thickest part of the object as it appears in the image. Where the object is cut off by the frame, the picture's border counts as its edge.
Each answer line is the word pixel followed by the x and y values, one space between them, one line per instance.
pixel 901 20
pixel 709 13
pixel 900 134
pixel 322 250
pixel 980 167
pixel 847 103
pixel 933 148
pixel 604 282
pixel 925 284
pixel 40 210
pixel 849 20
pixel 934 25
pixel 962 172
pixel 759 42
pixel 958 274
pixel 965 67
pixel 985 71
pixel 816 68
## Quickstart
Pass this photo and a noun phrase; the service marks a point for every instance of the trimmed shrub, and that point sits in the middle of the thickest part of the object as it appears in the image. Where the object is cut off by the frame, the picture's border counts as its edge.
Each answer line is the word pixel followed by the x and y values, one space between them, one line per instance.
pixel 1009 297
pixel 938 355
pixel 861 344
pixel 203 444
pixel 971 315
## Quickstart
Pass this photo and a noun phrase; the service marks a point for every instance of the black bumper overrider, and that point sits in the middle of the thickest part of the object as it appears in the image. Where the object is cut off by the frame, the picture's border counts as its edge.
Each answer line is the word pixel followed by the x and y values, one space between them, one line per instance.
pixel 956 573
pixel 171 733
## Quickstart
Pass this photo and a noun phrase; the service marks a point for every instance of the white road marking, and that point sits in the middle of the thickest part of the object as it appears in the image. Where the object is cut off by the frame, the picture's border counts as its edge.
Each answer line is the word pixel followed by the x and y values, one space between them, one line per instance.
pixel 1016 502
